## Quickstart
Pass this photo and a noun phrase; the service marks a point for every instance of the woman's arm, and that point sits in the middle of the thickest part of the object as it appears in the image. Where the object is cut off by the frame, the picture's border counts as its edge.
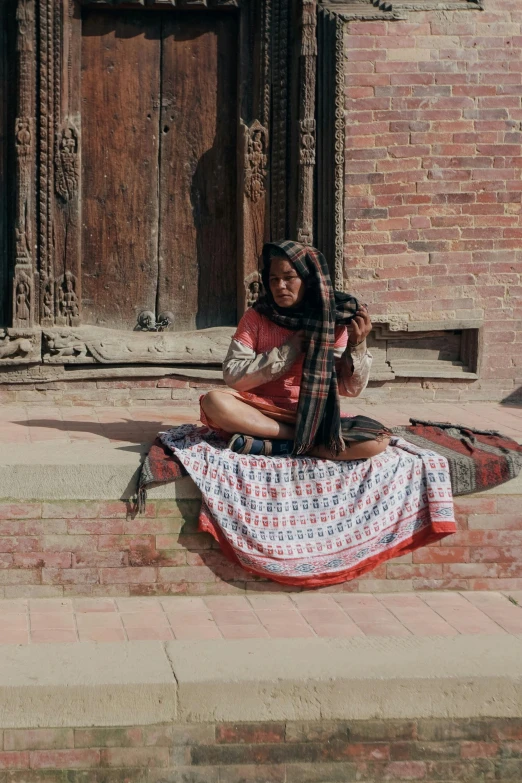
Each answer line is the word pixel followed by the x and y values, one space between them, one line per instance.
pixel 353 370
pixel 353 367
pixel 244 369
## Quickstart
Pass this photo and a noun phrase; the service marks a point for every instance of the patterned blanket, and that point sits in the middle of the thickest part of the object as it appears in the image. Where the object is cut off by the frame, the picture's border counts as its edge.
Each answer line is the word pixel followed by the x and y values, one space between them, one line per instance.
pixel 477 459
pixel 308 522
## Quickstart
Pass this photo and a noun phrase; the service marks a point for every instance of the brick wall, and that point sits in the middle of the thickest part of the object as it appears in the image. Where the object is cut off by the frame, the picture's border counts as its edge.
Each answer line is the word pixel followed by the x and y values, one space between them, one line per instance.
pixel 92 393
pixel 447 751
pixel 97 549
pixel 433 178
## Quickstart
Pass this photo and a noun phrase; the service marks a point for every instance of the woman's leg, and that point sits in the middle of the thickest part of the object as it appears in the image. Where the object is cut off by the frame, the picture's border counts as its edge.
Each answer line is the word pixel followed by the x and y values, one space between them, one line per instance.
pixel 232 415
pixel 369 448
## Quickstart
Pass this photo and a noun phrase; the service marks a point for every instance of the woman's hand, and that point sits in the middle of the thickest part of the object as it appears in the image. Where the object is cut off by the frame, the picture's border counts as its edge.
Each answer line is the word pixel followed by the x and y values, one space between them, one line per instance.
pixel 360 327
pixel 299 338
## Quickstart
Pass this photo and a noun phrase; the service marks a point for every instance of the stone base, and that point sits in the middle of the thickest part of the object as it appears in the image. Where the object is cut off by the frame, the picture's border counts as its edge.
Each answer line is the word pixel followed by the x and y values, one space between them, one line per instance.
pixel 269 752
pixel 89 548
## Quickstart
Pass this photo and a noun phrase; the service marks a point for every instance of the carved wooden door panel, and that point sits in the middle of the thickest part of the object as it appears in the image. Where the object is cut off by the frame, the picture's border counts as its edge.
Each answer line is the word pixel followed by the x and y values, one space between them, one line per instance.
pixel 159 117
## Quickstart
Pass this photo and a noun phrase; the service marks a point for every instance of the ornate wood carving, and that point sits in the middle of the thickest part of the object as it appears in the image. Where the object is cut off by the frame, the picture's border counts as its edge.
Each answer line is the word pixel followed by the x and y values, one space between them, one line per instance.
pixel 307 87
pixel 331 134
pixel 67 304
pixel 67 162
pixel 256 160
pixel 23 289
pixel 279 128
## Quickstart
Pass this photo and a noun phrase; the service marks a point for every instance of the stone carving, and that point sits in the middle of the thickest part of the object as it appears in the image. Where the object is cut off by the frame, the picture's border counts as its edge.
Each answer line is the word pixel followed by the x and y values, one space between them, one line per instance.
pixel 107 346
pixel 22 299
pixel 64 347
pixel 253 288
pixel 66 163
pixel 256 161
pixel 19 346
pixel 67 304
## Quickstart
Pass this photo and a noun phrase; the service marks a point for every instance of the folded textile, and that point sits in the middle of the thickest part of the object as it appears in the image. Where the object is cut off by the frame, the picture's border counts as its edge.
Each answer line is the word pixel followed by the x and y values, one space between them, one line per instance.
pixel 477 459
pixel 309 522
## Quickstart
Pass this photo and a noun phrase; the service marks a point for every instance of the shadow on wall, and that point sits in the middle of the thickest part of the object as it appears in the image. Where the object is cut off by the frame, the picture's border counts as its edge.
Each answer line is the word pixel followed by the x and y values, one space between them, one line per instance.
pixel 514 399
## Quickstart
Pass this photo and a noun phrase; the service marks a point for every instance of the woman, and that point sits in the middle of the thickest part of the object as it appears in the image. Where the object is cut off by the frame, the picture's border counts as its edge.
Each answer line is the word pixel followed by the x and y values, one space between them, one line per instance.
pixel 291 357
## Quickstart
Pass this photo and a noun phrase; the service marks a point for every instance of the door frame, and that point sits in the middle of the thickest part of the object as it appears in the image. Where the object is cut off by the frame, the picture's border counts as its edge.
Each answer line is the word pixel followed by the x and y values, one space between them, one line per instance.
pixel 275 151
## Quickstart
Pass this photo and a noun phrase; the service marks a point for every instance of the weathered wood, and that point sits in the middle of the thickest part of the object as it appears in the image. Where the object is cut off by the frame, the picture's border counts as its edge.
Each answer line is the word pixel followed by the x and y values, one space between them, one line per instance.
pixel 25 150
pixel 198 222
pixel 66 264
pixel 121 74
pixel 331 133
pixel 4 131
pixel 307 140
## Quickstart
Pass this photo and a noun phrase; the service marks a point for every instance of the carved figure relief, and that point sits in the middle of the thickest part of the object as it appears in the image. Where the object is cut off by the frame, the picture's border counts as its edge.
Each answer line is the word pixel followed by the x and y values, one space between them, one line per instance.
pixel 256 161
pixel 22 297
pixel 307 142
pixel 64 348
pixel 23 137
pixel 66 163
pixel 253 288
pixel 19 346
pixel 67 305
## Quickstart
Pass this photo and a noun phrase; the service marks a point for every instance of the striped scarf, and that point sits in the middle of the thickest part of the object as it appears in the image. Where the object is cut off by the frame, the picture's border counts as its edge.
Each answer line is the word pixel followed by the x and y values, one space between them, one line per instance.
pixel 318 411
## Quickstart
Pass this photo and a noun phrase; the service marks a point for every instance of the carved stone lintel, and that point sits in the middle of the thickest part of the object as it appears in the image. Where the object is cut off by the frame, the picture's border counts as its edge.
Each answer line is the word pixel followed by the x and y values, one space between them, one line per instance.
pixel 253 288
pixel 19 346
pixel 67 166
pixel 108 346
pixel 256 161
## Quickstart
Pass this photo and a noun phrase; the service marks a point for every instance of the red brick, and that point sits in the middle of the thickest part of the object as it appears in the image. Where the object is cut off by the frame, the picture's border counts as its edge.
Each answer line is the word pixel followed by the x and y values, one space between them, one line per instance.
pixel 135 757
pixel 128 575
pixel 14 760
pixel 108 737
pixel 64 759
pixel 38 739
pixel 21 510
pixel 250 733
pixel 473 750
pixel 405 770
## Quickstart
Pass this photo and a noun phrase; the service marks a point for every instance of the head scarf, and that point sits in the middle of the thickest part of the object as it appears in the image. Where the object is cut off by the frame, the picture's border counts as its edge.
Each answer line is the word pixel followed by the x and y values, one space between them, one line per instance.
pixel 318 412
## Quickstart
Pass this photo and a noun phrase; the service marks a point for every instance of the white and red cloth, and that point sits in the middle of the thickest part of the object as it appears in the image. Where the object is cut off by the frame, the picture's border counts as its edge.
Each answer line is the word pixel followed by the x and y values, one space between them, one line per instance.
pixel 309 522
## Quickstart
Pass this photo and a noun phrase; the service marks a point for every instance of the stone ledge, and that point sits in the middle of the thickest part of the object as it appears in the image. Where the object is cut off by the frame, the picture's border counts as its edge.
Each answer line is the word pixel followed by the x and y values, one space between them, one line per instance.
pixel 145 683
pixel 89 471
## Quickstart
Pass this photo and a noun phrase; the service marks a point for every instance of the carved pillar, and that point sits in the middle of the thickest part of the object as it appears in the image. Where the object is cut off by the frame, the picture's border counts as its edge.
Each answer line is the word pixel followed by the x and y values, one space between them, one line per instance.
pixel 331 133
pixel 307 87
pixel 255 100
pixel 24 134
pixel 280 103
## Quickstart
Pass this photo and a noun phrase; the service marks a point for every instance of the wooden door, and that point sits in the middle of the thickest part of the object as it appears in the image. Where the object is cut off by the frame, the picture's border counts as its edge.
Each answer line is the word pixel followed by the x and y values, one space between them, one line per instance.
pixel 159 119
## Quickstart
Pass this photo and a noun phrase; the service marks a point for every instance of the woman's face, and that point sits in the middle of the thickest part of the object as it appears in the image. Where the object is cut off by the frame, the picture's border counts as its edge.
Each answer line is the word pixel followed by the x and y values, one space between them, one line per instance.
pixel 287 288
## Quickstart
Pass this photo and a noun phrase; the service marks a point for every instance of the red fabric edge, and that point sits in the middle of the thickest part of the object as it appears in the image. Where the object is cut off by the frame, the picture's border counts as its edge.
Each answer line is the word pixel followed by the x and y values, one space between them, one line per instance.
pixel 435 532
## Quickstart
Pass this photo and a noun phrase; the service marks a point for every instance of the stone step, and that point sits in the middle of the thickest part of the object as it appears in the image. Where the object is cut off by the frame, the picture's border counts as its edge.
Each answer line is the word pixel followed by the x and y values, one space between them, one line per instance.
pixel 67 528
pixel 414 708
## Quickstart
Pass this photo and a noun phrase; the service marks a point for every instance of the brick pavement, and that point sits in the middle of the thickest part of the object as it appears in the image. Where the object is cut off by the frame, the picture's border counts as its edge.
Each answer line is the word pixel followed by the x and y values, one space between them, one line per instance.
pixel 73 424
pixel 278 616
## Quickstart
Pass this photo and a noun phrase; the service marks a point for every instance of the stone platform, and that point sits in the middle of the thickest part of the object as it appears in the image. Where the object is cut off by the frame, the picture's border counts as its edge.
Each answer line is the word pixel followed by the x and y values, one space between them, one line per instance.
pixel 441 700
pixel 66 527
